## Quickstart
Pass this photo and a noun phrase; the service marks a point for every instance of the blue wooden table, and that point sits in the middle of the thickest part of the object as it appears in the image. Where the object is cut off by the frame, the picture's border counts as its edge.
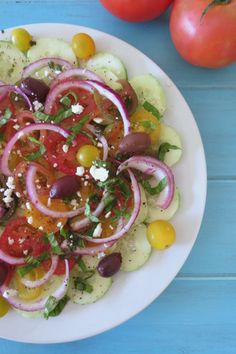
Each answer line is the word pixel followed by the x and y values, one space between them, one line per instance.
pixel 197 313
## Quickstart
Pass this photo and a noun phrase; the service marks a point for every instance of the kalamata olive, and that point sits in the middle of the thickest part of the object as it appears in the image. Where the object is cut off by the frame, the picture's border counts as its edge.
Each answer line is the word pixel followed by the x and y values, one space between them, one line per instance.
pixel 3 272
pixel 135 143
pixel 64 187
pixel 35 89
pixel 109 265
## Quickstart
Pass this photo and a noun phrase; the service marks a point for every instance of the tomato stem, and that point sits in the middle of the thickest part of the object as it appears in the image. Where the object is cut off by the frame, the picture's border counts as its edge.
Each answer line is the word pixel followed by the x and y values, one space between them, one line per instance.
pixel 214 3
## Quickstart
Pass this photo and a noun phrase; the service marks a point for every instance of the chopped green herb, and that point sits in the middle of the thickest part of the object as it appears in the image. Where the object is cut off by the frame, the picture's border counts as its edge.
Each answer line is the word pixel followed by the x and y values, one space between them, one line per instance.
pixel 163 149
pixel 150 108
pixel 35 155
pixel 54 244
pixel 32 263
pixel 76 128
pixel 148 124
pixel 5 117
pixel 90 231
pixel 61 115
pixel 89 214
pixel 83 285
pixel 89 136
pixel 155 190
pixel 121 213
pixel 100 163
pixel 42 116
pixel 81 264
pixel 66 101
pixel 64 233
pixel 53 307
pixel 54 66
pixel 109 202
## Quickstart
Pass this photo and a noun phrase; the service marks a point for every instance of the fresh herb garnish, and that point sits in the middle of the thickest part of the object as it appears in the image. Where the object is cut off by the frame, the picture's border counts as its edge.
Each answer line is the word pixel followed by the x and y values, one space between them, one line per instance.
pixel 54 243
pixel 88 212
pixel 150 108
pixel 76 128
pixel 57 118
pixel 35 155
pixel 155 190
pixel 42 116
pixel 148 124
pixel 121 213
pixel 64 233
pixel 32 263
pixel 82 265
pixel 83 285
pixel 109 202
pixel 53 307
pixel 100 163
pixel 54 66
pixel 89 136
pixel 66 101
pixel 163 149
pixel 5 117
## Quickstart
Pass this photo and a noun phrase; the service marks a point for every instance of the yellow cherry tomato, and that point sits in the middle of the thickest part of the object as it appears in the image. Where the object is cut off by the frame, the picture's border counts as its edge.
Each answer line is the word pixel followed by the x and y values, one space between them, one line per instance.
pixel 21 39
pixel 29 293
pixel 83 45
pixel 144 121
pixel 160 234
pixel 87 154
pixel 4 307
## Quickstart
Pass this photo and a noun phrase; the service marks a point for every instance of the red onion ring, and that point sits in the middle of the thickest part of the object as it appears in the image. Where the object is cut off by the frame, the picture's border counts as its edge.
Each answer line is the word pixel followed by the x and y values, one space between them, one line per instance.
pixel 32 192
pixel 102 140
pixel 80 224
pixel 112 96
pixel 76 72
pixel 11 260
pixel 62 87
pixel 17 303
pixel 135 212
pixel 90 251
pixel 157 169
pixel 35 284
pixel 22 132
pixel 39 64
pixel 16 89
pixel 3 93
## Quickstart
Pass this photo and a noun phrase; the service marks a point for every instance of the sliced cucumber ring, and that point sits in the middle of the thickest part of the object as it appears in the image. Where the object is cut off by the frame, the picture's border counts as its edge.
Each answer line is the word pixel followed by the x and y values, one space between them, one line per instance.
pixel 51 47
pixel 143 207
pixel 134 248
pixel 109 78
pixel 100 287
pixel 148 88
pixel 170 135
pixel 156 213
pixel 12 62
pixel 109 62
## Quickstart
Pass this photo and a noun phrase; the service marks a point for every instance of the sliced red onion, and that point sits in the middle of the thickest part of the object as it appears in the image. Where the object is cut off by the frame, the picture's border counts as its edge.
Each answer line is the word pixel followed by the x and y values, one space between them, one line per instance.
pixel 102 140
pixel 20 133
pixel 135 212
pixel 3 92
pixel 11 260
pixel 76 72
pixel 111 95
pixel 80 224
pixel 63 87
pixel 17 90
pixel 41 63
pixel 32 192
pixel 157 169
pixel 90 251
pixel 35 284
pixel 39 305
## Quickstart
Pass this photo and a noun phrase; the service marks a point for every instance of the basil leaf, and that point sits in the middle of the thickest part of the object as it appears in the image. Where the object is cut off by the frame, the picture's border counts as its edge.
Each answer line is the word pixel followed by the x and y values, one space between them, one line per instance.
pixel 89 136
pixel 32 263
pixel 42 116
pixel 54 66
pixel 163 149
pixel 53 307
pixel 66 101
pixel 54 244
pixel 150 108
pixel 121 213
pixel 75 130
pixel 61 115
pixel 5 117
pixel 83 285
pixel 100 163
pixel 148 124
pixel 154 190
pixel 89 214
pixel 109 202
pixel 35 155
pixel 64 233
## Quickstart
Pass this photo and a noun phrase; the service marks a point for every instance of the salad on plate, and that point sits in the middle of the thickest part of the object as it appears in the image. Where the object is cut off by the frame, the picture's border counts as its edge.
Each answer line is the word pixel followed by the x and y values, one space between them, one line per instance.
pixel 86 181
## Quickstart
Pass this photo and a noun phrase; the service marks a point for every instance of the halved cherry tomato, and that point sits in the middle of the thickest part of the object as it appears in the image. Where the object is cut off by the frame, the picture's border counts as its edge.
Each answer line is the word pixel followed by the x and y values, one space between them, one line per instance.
pixel 20 239
pixel 60 270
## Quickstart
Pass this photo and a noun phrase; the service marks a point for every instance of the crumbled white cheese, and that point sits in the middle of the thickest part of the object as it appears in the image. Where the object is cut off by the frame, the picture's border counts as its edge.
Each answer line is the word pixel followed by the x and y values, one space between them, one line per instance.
pixel 85 183
pixel 10 240
pixel 59 225
pixel 49 202
pixel 77 108
pixel 55 165
pixel 98 120
pixel 111 227
pixel 74 202
pixel 57 72
pixel 65 148
pixel 25 252
pixel 99 173
pixel 78 194
pixel 41 228
pixel 30 220
pixel 28 206
pixel 99 145
pixel 2 190
pixel 21 240
pixel 16 126
pixel 37 105
pixel 98 230
pixel 100 255
pixel 108 214
pixel 19 175
pixel 18 194
pixel 10 293
pixel 80 171
pixel 10 183
pixel 8 192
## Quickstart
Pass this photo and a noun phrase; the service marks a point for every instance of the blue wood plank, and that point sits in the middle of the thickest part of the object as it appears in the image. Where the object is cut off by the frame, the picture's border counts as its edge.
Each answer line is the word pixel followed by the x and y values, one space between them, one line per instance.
pixel 158 46
pixel 190 317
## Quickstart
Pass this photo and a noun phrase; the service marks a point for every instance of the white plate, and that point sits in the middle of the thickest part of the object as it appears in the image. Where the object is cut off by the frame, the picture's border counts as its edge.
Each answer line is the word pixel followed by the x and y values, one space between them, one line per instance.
pixel 119 304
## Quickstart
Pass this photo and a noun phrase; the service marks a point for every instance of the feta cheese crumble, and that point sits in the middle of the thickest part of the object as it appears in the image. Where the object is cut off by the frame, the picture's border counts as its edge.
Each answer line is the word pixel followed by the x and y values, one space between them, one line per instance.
pixel 99 173
pixel 65 148
pixel 80 171
pixel 77 108
pixel 37 105
pixel 98 230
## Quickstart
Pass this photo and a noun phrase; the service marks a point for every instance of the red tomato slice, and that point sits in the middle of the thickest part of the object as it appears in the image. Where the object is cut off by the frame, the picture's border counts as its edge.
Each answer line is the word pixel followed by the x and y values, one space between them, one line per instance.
pixel 63 161
pixel 60 270
pixel 19 237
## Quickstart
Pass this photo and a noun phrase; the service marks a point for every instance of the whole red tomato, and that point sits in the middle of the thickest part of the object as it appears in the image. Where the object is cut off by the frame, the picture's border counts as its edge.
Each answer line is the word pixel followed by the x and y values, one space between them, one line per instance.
pixel 136 10
pixel 205 38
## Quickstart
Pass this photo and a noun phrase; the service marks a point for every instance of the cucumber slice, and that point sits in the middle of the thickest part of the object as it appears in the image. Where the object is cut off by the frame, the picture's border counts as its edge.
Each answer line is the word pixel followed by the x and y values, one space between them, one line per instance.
pixel 51 47
pixel 26 314
pixel 170 135
pixel 91 262
pixel 109 78
pixel 100 287
pixel 107 61
pixel 135 248
pixel 148 88
pixel 143 208
pixel 12 62
pixel 155 213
